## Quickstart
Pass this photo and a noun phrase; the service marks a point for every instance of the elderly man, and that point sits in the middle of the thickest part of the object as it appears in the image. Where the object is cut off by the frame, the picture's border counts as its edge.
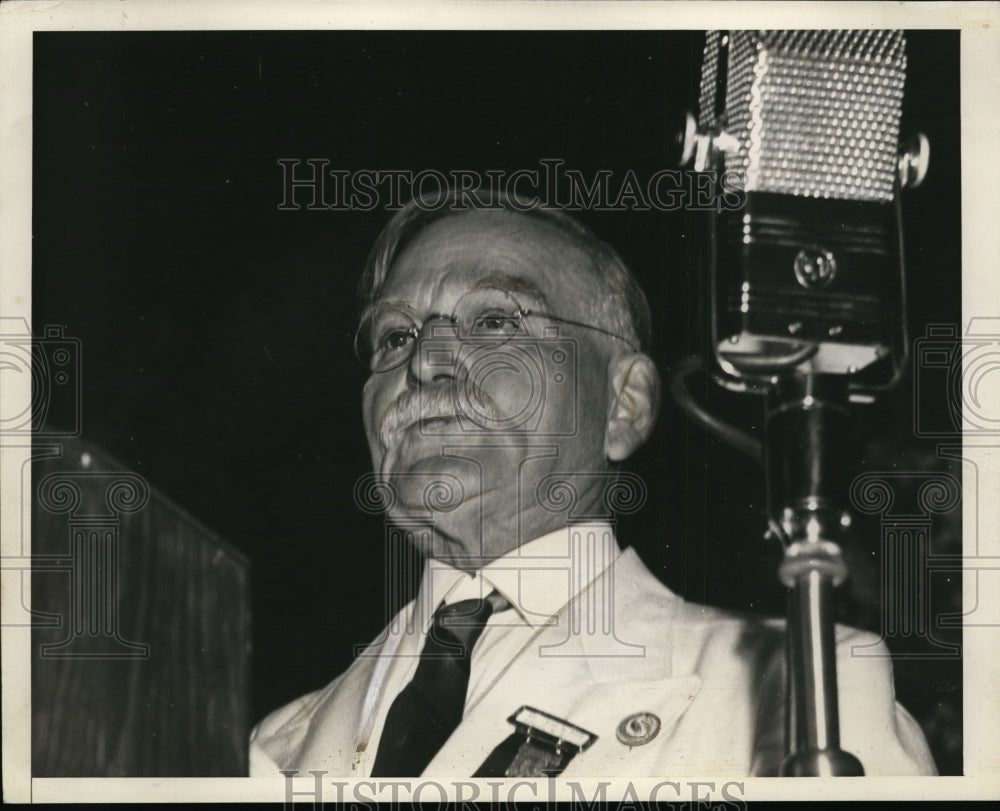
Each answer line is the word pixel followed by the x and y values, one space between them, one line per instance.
pixel 508 379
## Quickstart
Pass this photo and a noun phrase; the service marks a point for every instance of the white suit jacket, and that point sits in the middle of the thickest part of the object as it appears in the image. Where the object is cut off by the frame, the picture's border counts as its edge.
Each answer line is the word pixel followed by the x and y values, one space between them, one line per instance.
pixel 715 680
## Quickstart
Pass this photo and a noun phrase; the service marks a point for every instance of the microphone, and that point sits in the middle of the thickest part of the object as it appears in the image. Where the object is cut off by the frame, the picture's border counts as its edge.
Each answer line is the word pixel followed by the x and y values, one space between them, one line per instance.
pixel 806 299
pixel 809 272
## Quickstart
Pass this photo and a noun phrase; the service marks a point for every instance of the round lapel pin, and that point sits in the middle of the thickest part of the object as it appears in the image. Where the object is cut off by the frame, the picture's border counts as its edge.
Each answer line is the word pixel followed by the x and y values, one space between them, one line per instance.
pixel 638 728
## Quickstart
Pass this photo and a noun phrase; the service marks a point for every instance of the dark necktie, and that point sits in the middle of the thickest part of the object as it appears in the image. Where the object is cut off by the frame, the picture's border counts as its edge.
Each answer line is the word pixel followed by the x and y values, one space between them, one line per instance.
pixel 428 709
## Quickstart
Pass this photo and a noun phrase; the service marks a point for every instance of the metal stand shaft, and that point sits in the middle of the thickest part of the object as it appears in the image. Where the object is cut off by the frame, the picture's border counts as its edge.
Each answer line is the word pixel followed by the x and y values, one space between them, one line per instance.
pixel 806 440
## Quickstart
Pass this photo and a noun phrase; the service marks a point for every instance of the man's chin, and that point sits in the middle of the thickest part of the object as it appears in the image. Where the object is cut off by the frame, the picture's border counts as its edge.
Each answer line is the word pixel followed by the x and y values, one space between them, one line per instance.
pixel 429 484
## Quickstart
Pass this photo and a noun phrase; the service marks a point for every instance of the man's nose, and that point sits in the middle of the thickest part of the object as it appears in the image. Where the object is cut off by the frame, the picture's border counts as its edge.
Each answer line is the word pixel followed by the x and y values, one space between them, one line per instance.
pixel 435 351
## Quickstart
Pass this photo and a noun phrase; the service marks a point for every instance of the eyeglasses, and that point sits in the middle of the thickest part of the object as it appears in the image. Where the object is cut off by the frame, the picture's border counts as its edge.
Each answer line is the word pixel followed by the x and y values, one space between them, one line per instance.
pixel 388 339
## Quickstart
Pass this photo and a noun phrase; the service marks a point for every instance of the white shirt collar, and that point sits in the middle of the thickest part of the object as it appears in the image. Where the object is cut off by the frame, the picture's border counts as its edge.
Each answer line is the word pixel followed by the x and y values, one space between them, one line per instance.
pixel 538 578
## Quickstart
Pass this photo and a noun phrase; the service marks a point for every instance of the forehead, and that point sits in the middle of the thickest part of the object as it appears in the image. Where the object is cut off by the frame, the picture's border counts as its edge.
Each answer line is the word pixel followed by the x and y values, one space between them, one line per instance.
pixel 461 250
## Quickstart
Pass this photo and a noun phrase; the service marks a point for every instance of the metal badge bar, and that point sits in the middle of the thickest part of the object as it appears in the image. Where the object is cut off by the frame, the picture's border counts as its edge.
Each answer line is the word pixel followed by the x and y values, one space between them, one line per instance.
pixel 549 744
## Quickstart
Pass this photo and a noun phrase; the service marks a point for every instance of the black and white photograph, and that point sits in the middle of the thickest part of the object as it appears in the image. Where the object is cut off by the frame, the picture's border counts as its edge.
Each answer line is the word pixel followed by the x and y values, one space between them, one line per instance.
pixel 554 408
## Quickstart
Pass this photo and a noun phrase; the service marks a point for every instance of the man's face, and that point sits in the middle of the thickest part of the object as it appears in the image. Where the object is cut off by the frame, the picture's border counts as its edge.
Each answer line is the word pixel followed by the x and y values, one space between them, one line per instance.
pixel 489 402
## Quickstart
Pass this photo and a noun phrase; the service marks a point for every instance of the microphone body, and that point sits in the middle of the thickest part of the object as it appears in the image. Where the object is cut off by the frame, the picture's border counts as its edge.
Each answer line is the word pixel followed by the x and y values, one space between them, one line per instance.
pixel 809 267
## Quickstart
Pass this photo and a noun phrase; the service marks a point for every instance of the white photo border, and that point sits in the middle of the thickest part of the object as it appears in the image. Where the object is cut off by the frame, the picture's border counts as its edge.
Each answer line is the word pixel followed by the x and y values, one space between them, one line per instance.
pixel 979 24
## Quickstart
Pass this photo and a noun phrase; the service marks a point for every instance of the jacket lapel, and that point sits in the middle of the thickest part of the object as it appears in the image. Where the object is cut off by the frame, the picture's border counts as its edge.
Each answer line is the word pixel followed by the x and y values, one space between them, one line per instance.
pixel 339 730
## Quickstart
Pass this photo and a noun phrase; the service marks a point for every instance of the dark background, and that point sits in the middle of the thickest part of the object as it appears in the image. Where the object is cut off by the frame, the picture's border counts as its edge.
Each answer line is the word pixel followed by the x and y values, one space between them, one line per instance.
pixel 216 330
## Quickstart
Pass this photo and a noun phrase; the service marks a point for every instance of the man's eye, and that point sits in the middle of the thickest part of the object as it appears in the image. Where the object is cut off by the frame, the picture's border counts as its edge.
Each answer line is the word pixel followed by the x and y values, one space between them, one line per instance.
pixel 395 340
pixel 496 324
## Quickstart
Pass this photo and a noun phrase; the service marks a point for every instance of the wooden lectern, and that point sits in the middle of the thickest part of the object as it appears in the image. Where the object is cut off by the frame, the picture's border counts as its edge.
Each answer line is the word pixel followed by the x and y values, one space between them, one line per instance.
pixel 141 628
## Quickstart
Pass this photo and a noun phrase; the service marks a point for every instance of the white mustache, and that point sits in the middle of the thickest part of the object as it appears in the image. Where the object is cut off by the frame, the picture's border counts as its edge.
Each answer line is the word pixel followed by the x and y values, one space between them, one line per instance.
pixel 414 405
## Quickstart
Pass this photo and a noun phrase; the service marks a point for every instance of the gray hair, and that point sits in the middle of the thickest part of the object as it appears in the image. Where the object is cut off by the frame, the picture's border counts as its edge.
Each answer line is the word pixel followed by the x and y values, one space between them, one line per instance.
pixel 622 308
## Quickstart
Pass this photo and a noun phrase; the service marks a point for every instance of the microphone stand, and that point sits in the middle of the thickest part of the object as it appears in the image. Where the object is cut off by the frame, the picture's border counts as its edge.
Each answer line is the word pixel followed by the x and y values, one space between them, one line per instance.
pixel 805 438
pixel 805 463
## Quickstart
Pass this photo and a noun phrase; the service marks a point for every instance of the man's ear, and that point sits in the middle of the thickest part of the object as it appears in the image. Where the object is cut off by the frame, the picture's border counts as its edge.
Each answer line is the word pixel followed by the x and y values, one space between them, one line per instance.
pixel 635 400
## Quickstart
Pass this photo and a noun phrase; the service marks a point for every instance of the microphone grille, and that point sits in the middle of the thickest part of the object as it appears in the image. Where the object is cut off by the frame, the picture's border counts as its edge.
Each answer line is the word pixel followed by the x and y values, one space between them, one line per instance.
pixel 814 113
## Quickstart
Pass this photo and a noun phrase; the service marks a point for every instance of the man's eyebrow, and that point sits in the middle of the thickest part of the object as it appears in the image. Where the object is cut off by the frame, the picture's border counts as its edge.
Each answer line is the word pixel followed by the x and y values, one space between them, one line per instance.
pixel 511 284
pixel 383 307
pixel 497 281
